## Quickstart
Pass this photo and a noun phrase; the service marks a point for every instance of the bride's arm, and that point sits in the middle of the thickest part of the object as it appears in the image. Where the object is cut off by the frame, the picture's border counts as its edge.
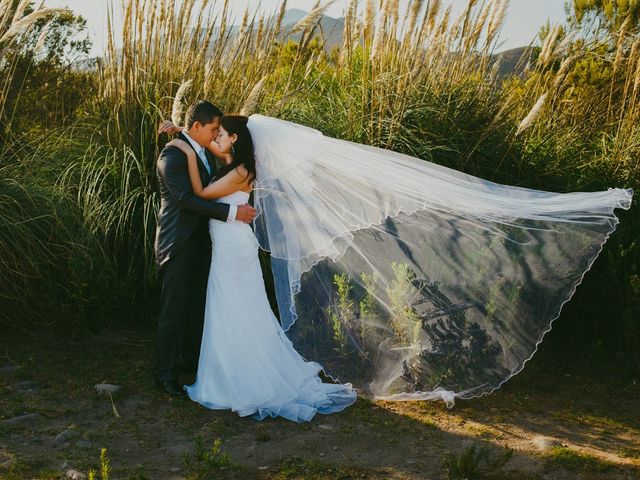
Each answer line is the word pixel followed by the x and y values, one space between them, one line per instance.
pixel 169 127
pixel 192 163
pixel 233 181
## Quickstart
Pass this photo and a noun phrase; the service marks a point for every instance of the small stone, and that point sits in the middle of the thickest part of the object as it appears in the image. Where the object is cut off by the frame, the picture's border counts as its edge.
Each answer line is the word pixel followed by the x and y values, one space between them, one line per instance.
pixel 28 420
pixel 326 427
pixel 410 461
pixel 106 388
pixel 84 444
pixel 321 454
pixel 263 468
pixel 334 448
pixel 175 470
pixel 66 436
pixel 26 386
pixel 75 475
pixel 544 443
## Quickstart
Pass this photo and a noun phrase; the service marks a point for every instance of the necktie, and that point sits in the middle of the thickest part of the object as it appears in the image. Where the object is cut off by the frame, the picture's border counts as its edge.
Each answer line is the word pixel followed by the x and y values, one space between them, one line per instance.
pixel 203 157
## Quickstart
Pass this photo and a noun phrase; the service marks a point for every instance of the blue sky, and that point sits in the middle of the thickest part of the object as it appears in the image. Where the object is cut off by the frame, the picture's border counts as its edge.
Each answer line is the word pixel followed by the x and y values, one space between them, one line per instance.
pixel 523 21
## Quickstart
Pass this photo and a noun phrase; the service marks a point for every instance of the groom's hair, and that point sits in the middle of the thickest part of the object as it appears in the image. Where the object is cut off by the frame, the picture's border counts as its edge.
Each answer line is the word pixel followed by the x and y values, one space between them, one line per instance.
pixel 203 112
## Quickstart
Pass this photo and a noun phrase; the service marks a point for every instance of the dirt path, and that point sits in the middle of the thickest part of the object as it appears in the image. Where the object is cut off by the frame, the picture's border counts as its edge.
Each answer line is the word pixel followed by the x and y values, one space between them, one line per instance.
pixel 559 425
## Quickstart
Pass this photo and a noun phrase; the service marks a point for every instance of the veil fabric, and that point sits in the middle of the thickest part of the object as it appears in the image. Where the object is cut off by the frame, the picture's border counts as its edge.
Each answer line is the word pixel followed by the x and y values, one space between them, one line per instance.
pixel 411 280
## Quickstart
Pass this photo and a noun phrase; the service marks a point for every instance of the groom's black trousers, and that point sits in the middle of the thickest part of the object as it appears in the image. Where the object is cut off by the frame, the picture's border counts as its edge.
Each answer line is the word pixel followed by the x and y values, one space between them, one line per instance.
pixel 182 302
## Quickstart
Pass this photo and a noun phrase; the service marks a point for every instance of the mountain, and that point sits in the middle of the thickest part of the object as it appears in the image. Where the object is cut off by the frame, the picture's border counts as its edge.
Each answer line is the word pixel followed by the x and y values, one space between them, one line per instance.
pixel 292 16
pixel 330 27
pixel 513 61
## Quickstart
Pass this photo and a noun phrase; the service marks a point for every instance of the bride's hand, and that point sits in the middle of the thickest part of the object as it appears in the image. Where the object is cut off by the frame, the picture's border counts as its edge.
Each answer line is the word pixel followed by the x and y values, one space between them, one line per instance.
pixel 169 127
pixel 184 146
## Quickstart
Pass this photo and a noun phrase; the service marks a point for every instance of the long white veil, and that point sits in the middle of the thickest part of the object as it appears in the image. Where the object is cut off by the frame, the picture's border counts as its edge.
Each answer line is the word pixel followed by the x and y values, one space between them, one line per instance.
pixel 409 279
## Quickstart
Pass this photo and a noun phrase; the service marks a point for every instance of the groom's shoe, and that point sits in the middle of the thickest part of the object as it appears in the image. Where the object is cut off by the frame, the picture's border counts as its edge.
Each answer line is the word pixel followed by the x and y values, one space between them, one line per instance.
pixel 171 387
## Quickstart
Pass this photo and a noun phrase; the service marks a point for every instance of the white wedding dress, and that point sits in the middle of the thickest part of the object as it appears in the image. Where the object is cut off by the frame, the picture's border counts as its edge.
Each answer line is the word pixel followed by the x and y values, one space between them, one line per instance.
pixel 247 363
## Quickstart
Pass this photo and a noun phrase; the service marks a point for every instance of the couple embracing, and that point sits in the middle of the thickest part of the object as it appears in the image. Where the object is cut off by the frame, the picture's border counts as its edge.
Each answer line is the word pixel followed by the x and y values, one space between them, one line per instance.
pixel 215 316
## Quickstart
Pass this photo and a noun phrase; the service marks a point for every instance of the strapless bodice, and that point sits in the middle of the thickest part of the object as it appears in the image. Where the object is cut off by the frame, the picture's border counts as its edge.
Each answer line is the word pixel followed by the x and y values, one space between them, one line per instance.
pixel 235 198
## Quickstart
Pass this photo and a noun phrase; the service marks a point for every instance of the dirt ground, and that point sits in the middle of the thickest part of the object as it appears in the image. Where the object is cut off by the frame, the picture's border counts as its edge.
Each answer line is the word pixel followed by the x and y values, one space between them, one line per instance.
pixel 559 422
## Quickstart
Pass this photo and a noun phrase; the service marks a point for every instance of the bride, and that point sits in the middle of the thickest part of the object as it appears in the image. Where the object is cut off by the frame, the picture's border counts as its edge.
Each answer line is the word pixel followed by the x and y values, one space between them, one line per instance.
pixel 410 280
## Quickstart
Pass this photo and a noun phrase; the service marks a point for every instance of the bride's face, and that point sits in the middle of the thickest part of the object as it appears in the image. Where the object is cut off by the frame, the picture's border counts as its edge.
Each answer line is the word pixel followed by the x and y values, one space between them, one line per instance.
pixel 225 141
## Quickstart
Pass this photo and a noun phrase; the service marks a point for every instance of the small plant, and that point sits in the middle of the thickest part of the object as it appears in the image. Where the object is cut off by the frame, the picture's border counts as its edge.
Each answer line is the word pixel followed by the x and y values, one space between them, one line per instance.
pixel 105 467
pixel 203 462
pixel 402 294
pixel 368 308
pixel 342 315
pixel 475 463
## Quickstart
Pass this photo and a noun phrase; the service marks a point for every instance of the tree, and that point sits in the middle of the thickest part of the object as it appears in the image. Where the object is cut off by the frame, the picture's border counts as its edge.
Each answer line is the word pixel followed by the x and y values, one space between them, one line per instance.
pixel 612 14
pixel 41 81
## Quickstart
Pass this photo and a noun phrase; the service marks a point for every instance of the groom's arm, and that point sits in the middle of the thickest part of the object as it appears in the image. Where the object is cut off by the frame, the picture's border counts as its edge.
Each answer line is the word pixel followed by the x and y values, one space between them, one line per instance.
pixel 172 168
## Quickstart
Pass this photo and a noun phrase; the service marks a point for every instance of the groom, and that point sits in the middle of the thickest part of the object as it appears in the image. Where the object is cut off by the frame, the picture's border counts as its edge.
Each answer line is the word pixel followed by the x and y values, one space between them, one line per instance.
pixel 183 247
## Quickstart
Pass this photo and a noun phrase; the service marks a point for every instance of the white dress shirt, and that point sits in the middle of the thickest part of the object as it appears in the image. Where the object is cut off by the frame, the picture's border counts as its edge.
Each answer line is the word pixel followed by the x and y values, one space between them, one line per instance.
pixel 200 150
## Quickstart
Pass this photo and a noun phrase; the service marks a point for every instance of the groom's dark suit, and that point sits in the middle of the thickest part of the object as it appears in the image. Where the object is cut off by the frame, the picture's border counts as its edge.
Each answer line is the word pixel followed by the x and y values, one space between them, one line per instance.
pixel 183 253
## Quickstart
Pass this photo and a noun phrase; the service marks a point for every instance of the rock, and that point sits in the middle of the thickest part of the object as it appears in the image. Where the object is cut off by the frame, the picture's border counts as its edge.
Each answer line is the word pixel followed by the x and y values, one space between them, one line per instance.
pixel 326 427
pixel 66 436
pixel 29 420
pixel 410 461
pixel 263 468
pixel 26 386
pixel 175 470
pixel 321 454
pixel 334 448
pixel 544 443
pixel 84 444
pixel 75 475
pixel 106 388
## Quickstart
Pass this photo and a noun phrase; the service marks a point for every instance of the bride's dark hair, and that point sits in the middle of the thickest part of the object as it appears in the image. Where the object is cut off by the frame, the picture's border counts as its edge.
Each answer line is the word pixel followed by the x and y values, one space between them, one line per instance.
pixel 243 148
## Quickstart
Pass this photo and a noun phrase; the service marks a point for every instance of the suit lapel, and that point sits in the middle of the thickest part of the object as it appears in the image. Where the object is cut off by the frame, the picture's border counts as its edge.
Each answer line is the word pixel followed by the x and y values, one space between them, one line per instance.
pixel 204 174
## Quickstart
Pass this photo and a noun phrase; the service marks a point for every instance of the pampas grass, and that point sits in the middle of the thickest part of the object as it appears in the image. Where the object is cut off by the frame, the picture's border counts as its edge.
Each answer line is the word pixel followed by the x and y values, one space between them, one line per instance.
pixel 252 100
pixel 42 39
pixel 27 22
pixel 177 112
pixel 533 114
pixel 312 18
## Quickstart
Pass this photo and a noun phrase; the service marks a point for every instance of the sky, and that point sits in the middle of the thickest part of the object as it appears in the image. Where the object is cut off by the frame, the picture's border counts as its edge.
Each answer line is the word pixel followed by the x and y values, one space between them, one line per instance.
pixel 523 21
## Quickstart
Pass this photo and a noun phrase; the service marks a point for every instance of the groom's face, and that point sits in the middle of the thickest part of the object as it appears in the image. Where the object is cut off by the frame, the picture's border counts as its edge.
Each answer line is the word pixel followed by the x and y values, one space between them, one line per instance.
pixel 205 134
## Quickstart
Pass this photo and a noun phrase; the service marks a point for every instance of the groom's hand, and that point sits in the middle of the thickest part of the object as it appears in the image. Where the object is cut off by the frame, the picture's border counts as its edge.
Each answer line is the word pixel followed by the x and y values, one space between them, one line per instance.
pixel 246 213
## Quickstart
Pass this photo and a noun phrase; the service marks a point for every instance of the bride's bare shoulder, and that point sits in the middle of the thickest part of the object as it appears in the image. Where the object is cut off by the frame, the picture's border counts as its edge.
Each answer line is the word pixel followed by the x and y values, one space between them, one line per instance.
pixel 243 173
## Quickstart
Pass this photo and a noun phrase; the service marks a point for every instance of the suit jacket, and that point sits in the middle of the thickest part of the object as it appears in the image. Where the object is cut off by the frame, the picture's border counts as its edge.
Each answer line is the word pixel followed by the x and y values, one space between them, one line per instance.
pixel 182 214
